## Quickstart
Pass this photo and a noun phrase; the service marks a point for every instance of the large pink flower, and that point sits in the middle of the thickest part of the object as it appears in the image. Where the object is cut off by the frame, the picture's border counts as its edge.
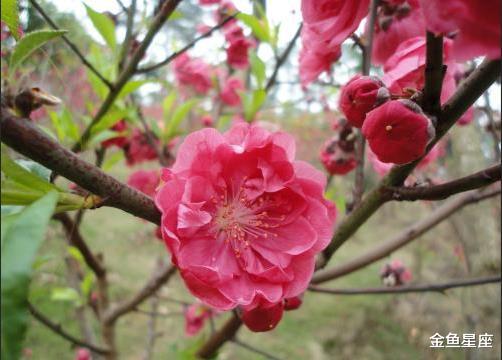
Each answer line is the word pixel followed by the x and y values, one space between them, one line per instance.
pixel 474 24
pixel 192 72
pixel 242 219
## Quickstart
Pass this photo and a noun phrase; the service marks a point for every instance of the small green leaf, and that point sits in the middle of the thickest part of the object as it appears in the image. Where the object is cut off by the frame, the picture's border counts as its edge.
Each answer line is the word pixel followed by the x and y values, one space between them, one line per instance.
pixel 178 116
pixel 76 254
pixel 113 160
pixel 168 102
pixel 259 27
pixel 252 103
pixel 29 43
pixel 10 16
pixel 109 119
pixel 35 168
pixel 104 25
pixel 65 294
pixel 131 87
pixel 86 285
pixel 64 125
pixel 258 69
pixel 20 245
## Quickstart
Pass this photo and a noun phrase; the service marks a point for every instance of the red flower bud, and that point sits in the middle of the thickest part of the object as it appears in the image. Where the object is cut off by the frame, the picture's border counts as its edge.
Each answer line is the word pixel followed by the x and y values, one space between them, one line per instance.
pixel 292 303
pixel 262 319
pixel 361 95
pixel 398 131
pixel 337 154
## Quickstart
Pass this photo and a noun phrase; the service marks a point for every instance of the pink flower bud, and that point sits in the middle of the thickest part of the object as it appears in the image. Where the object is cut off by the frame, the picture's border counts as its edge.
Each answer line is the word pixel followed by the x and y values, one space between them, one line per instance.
pixel 398 131
pixel 361 95
pixel 83 354
pixel 292 303
pixel 337 154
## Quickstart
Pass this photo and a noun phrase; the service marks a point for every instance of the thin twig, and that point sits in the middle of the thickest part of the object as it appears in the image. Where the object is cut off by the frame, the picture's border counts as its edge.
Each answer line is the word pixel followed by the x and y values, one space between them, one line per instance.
pixel 361 141
pixel 439 192
pixel 58 329
pixel 72 46
pixel 282 59
pixel 174 55
pixel 254 349
pixel 406 236
pixel 129 70
pixel 152 332
pixel 488 110
pixel 226 333
pixel 409 288
pixel 158 279
pixel 124 51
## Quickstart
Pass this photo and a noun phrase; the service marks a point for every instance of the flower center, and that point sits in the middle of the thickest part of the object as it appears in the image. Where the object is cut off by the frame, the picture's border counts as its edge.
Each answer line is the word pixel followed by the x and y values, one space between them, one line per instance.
pixel 239 220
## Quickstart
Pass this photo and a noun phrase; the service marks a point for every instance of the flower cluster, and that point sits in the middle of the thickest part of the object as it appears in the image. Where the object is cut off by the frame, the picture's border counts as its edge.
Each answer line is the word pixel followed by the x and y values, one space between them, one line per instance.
pixel 243 220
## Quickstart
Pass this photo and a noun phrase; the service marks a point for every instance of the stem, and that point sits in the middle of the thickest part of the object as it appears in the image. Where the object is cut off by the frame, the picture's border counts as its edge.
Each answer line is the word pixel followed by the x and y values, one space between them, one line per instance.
pixel 440 192
pixel 58 329
pixel 226 333
pixel 410 288
pixel 434 73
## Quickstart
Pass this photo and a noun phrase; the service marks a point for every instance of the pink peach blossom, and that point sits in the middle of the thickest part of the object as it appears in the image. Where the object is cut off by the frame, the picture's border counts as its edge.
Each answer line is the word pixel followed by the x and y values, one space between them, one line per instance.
pixel 145 181
pixel 237 53
pixel 242 219
pixel 192 72
pixel 229 93
pixel 195 317
pixel 474 25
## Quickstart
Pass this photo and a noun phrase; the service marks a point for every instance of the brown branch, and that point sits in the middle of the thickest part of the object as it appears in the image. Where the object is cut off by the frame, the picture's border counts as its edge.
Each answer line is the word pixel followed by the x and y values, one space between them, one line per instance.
pixel 254 349
pixel 358 191
pixel 185 48
pixel 488 110
pixel 226 333
pixel 24 137
pixel 409 288
pixel 467 93
pixel 434 73
pixel 76 240
pixel 129 70
pixel 282 59
pixel 124 51
pixel 440 192
pixel 152 334
pixel 159 278
pixel 409 234
pixel 58 329
pixel 72 46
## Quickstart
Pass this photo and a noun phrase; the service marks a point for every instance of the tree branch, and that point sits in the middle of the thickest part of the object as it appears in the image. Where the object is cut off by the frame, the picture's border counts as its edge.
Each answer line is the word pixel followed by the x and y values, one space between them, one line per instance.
pixel 361 141
pixel 57 328
pixel 434 73
pixel 254 349
pixel 467 93
pixel 24 137
pixel 72 46
pixel 226 333
pixel 410 288
pixel 174 55
pixel 282 59
pixel 409 234
pixel 128 35
pixel 440 192
pixel 75 239
pixel 159 278
pixel 129 70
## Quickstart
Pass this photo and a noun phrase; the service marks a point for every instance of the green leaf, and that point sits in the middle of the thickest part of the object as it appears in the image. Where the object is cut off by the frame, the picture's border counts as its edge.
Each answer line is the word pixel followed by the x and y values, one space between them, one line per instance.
pixel 113 160
pixel 24 177
pixel 10 16
pixel 64 125
pixel 86 285
pixel 21 243
pixel 131 87
pixel 168 102
pixel 35 168
pixel 252 103
pixel 104 25
pixel 258 69
pixel 259 27
pixel 109 119
pixel 178 116
pixel 76 254
pixel 29 43
pixel 65 294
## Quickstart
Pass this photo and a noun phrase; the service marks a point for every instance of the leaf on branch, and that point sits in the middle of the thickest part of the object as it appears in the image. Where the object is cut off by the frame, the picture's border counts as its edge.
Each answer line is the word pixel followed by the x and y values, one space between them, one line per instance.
pixel 104 25
pixel 178 116
pixel 10 16
pixel 258 69
pixel 29 43
pixel 20 244
pixel 252 103
pixel 259 27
